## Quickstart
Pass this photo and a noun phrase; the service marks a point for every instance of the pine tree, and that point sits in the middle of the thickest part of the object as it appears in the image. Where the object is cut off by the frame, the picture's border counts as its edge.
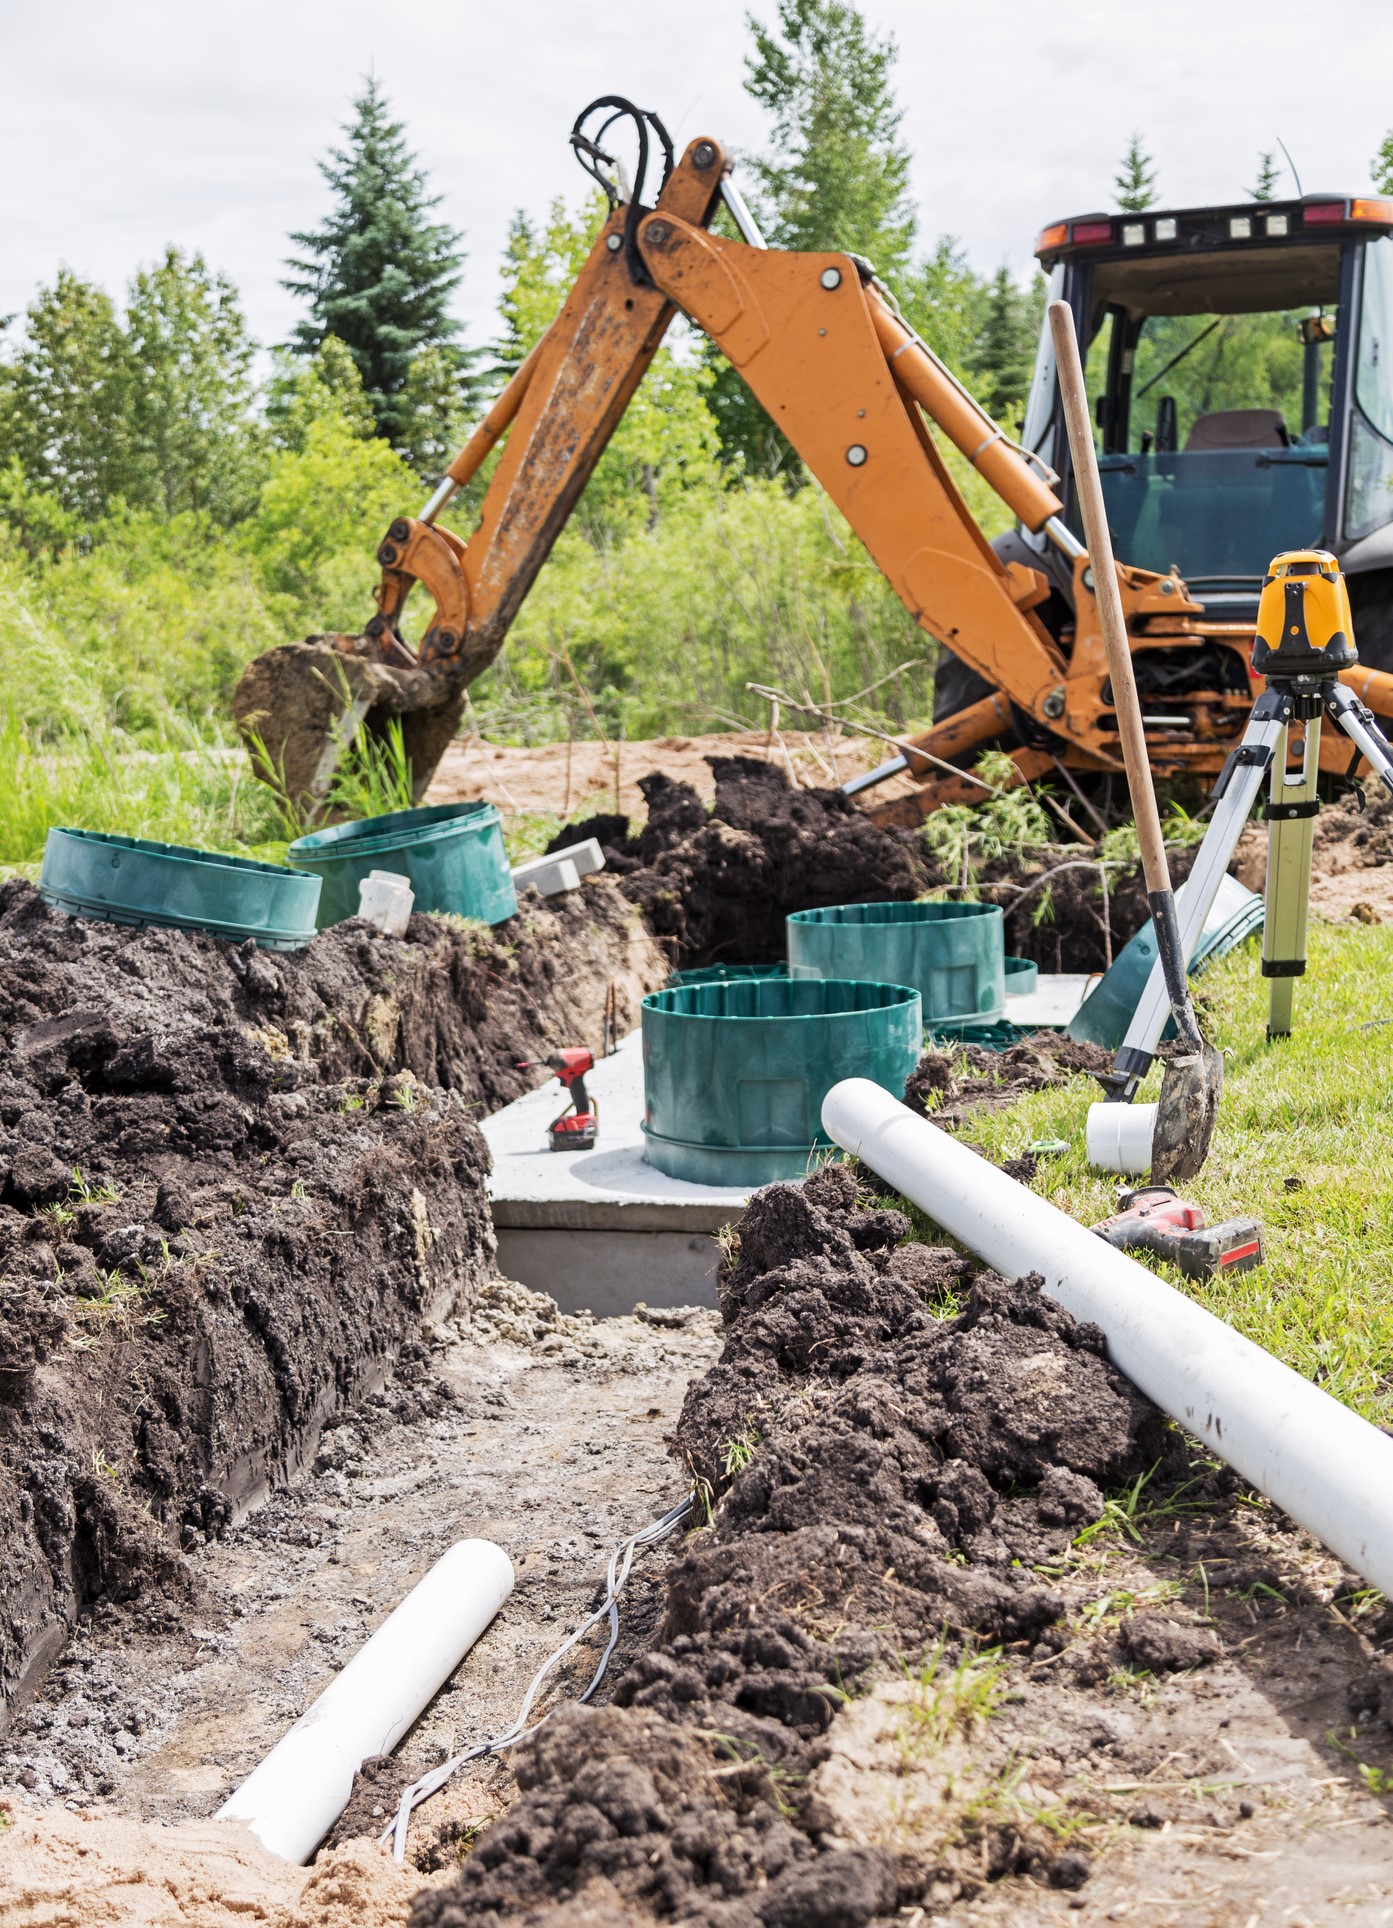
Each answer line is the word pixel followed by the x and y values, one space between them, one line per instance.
pixel 1268 176
pixel 1004 354
pixel 378 272
pixel 1382 166
pixel 1135 180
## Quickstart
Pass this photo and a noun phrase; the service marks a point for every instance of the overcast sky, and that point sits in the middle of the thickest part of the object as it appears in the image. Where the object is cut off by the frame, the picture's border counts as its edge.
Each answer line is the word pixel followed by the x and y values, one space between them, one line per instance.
pixel 130 125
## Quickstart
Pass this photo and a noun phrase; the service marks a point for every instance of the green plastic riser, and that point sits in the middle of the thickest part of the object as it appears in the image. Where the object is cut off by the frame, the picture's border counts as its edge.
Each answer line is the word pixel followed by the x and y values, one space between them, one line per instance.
pixel 734 1074
pixel 452 855
pixel 138 882
pixel 954 955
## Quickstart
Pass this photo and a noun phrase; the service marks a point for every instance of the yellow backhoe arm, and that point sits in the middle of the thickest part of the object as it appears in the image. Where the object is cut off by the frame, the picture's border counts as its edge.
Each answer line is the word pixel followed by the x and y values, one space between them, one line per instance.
pixel 821 346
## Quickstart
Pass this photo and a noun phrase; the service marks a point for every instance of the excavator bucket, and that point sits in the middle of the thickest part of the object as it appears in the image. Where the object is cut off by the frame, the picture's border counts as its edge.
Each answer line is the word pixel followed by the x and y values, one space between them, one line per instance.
pixel 299 707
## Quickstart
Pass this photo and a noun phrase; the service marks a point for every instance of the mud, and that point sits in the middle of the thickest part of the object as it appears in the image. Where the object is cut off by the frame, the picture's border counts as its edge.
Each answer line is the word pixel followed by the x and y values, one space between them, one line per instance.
pixel 949 1083
pixel 717 887
pixel 233 1188
pixel 1351 859
pixel 876 1473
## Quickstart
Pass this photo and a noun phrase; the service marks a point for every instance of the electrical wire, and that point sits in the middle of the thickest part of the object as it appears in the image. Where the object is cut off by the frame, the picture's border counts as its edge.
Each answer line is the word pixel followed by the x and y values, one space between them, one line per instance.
pixel 616 1576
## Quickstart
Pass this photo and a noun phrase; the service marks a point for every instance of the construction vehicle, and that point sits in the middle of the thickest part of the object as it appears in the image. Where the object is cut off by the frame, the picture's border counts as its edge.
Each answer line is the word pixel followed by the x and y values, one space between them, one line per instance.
pixel 1165 303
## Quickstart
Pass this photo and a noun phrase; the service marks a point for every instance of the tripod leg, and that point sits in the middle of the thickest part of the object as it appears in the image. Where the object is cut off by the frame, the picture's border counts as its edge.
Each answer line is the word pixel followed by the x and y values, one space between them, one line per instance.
pixel 1237 790
pixel 1291 815
pixel 1361 727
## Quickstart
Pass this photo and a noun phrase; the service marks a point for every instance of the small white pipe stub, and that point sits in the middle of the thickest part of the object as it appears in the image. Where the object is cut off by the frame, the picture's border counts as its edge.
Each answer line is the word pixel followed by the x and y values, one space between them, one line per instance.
pixel 1324 1465
pixel 1118 1138
pixel 294 1797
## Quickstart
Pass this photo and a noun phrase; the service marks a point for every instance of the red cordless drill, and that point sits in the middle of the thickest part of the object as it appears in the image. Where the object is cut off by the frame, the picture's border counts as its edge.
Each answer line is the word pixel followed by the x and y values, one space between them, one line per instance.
pixel 1155 1220
pixel 578 1126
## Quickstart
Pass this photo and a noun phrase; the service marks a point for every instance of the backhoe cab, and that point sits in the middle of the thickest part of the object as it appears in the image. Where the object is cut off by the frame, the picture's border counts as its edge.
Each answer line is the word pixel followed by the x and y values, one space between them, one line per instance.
pixel 1241 361
pixel 1240 366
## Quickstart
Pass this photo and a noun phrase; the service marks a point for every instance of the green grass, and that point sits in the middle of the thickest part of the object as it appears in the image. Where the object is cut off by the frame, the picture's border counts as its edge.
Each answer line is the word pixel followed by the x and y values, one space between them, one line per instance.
pixel 196 788
pixel 1304 1143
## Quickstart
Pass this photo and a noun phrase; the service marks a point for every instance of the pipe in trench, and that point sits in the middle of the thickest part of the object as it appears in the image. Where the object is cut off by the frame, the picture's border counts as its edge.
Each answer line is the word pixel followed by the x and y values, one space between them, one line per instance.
pixel 293 1798
pixel 1321 1463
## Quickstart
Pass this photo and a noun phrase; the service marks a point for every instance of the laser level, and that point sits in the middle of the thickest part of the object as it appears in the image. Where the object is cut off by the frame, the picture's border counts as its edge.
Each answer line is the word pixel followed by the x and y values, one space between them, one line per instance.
pixel 1304 645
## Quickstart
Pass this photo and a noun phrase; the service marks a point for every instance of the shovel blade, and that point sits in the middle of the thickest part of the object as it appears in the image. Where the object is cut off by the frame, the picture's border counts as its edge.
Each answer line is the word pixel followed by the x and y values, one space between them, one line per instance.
pixel 1185 1115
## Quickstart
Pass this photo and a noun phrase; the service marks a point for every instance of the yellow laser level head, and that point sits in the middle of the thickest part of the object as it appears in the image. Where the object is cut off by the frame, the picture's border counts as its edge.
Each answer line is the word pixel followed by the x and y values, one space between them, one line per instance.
pixel 1304 622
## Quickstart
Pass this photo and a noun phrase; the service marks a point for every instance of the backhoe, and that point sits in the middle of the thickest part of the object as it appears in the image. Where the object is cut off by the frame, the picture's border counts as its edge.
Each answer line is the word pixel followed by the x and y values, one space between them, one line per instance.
pixel 1241 361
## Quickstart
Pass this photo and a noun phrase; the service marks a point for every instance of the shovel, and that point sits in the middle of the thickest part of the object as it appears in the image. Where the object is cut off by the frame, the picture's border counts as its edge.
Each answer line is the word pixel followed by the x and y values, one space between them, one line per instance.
pixel 1192 1081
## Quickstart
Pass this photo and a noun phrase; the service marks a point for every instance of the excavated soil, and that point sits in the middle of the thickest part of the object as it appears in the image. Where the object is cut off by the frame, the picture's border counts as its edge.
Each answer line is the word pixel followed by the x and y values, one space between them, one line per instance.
pixel 1351 861
pixel 233 1188
pixel 947 1084
pixel 876 1473
pixel 1183 1720
pixel 717 886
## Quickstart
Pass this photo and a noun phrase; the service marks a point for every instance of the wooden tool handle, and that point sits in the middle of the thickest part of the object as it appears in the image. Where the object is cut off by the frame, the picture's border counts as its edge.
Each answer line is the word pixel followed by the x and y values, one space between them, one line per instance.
pixel 1110 616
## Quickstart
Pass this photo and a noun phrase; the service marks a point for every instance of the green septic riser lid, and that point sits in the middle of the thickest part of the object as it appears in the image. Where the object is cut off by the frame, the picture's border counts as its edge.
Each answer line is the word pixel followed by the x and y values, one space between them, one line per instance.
pixel 452 854
pixel 952 954
pixel 734 1073
pixel 137 882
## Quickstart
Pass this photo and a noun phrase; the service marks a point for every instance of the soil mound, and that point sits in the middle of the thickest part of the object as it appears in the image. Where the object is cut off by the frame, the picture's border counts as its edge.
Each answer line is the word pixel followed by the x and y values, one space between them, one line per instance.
pixel 879 1477
pixel 233 1189
pixel 114 1873
pixel 718 887
pixel 948 1083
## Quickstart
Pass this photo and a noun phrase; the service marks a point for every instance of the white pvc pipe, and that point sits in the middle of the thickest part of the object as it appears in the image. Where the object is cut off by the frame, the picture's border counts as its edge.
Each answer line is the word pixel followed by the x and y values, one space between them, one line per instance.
pixel 1117 1138
pixel 294 1797
pixel 1324 1465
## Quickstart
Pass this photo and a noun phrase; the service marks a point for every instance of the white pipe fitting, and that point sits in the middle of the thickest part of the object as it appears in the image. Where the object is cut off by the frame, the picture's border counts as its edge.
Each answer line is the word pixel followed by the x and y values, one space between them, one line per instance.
pixel 294 1797
pixel 385 900
pixel 1118 1137
pixel 1324 1465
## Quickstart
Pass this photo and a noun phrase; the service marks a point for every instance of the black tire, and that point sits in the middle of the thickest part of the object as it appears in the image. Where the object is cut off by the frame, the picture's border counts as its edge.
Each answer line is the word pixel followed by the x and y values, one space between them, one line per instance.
pixel 956 686
pixel 1371 604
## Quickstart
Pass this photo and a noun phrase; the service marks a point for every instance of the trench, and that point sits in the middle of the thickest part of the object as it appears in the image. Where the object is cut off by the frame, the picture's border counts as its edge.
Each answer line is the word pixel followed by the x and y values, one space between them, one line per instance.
pixel 888 1461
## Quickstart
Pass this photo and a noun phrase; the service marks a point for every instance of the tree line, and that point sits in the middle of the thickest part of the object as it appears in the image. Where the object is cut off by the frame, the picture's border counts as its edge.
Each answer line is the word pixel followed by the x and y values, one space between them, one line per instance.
pixel 167 506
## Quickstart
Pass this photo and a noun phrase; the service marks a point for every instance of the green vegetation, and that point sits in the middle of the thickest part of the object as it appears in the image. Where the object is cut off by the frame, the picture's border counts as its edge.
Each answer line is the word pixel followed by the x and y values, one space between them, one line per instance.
pixel 1304 1143
pixel 378 274
pixel 1135 180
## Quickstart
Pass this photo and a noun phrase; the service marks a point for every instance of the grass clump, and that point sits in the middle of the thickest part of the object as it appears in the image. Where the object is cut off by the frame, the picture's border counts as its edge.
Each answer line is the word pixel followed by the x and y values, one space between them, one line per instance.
pixel 1304 1143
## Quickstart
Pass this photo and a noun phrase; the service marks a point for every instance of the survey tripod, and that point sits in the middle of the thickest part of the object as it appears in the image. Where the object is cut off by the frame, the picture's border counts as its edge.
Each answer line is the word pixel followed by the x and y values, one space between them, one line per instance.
pixel 1305 638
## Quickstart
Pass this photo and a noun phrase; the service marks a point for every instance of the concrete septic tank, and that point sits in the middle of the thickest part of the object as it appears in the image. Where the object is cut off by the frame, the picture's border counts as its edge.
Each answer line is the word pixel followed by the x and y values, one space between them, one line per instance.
pixel 954 955
pixel 602 1230
pixel 735 1073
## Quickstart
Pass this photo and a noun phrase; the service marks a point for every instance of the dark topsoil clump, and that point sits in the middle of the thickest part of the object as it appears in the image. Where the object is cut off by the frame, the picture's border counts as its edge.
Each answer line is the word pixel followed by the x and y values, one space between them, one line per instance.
pixel 897 1474
pixel 718 887
pixel 233 1187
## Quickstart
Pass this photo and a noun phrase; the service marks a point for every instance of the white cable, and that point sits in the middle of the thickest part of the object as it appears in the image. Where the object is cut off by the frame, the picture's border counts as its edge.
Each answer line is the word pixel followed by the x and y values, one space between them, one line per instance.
pixel 616 1576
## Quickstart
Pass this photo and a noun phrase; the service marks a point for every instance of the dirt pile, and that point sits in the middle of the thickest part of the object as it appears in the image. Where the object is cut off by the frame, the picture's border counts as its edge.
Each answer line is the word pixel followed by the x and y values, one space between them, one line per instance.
pixel 718 887
pixel 233 1188
pixel 946 1084
pixel 878 1474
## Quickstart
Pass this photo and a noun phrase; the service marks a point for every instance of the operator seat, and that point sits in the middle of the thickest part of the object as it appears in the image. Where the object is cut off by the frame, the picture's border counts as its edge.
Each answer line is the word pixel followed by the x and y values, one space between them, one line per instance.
pixel 1238 428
